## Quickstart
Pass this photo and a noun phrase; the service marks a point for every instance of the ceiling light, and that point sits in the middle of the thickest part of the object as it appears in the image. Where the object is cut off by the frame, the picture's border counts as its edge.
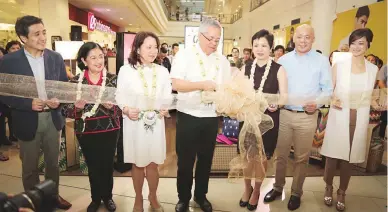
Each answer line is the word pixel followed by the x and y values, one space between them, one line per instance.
pixel 108 10
pixel 121 18
pixel 236 10
pixel 239 6
pixel 130 24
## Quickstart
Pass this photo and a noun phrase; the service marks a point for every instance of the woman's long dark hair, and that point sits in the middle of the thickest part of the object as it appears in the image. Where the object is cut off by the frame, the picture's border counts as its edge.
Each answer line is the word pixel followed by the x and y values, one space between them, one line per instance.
pixel 134 57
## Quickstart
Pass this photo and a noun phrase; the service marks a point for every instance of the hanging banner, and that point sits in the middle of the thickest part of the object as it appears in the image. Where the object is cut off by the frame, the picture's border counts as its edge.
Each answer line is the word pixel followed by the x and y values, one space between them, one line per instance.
pixel 373 16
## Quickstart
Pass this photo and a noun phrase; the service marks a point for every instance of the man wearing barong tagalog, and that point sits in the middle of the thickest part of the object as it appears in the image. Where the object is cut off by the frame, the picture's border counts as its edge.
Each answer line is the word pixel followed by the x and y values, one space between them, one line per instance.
pixel 308 78
pixel 197 69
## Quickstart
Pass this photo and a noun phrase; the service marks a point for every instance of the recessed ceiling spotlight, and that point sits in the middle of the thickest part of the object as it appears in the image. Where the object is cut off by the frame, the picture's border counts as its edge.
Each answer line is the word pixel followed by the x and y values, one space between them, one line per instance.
pixel 108 10
pixel 121 18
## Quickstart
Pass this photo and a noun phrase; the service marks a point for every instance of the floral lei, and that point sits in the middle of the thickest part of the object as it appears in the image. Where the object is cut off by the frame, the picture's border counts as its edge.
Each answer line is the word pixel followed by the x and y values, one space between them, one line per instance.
pixel 265 75
pixel 149 117
pixel 203 71
pixel 92 112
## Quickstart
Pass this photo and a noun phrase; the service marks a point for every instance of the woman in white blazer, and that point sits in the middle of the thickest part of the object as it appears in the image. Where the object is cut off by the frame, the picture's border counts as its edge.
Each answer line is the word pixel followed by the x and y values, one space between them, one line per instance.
pixel 346 131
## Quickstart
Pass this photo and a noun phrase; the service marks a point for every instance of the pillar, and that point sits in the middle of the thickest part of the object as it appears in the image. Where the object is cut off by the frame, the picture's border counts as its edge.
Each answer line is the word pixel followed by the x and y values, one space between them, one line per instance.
pixel 55 16
pixel 244 28
pixel 323 15
pixel 29 7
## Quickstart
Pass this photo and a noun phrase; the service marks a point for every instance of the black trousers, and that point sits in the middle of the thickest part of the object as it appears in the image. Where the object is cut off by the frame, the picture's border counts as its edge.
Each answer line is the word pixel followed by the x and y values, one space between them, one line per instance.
pixel 383 124
pixel 99 150
pixel 2 128
pixel 195 138
pixel 5 113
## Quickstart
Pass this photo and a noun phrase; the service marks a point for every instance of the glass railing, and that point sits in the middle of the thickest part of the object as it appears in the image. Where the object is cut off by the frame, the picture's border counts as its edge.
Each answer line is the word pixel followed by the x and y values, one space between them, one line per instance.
pixel 196 17
pixel 227 18
pixel 230 18
pixel 257 3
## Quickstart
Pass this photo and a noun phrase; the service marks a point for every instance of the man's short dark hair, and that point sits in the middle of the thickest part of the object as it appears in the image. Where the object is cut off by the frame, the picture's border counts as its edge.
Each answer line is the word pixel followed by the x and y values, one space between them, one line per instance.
pixel 11 43
pixel 364 10
pixel 379 62
pixel 173 45
pixel 22 24
pixel 280 47
pixel 2 50
pixel 163 50
pixel 371 55
pixel 248 50
pixel 238 50
pixel 164 44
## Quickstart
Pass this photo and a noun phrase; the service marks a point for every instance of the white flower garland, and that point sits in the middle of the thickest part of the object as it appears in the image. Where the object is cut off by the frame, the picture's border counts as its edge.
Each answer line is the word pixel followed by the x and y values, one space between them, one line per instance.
pixel 203 72
pixel 149 117
pixel 145 85
pixel 92 112
pixel 265 75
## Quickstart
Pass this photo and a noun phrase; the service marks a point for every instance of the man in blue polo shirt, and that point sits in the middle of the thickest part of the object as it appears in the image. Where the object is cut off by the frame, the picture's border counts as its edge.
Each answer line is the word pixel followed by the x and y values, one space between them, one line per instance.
pixel 309 80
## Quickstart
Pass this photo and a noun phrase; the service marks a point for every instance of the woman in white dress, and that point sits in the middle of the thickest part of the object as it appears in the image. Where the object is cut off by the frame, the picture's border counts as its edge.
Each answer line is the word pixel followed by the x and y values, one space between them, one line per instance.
pixel 346 131
pixel 141 87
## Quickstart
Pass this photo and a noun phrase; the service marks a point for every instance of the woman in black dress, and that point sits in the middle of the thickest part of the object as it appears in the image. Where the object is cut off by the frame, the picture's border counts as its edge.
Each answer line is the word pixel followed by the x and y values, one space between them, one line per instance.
pixel 275 82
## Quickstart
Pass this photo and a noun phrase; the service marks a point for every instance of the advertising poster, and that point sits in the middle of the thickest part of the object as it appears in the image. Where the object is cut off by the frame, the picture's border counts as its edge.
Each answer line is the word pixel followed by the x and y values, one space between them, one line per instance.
pixel 373 16
pixel 128 40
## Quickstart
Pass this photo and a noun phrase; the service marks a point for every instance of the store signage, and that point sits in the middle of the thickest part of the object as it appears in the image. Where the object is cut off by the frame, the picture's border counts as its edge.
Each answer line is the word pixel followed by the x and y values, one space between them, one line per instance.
pixel 96 24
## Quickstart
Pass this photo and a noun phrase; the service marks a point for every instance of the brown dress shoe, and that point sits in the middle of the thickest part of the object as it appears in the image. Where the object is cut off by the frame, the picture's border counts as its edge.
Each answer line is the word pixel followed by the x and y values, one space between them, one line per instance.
pixel 63 204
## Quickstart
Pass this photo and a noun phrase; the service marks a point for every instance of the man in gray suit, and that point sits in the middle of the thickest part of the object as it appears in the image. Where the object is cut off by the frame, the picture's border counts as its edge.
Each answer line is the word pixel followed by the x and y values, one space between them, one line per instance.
pixel 37 122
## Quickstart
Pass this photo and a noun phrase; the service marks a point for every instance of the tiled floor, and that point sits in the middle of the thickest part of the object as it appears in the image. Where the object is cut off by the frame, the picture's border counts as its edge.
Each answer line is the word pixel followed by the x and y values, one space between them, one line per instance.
pixel 365 193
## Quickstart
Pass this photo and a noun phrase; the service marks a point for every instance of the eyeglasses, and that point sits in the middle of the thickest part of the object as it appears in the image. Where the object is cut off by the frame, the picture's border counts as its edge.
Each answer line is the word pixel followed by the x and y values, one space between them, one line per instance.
pixel 210 39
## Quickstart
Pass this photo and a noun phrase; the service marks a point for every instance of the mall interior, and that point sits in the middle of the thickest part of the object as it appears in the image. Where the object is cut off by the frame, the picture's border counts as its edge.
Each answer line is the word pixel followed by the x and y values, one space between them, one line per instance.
pixel 113 25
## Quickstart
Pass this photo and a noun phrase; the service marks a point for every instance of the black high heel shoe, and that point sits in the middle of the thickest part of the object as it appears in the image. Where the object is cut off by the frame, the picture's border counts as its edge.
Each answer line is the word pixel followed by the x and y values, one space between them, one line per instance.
pixel 253 207
pixel 244 204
